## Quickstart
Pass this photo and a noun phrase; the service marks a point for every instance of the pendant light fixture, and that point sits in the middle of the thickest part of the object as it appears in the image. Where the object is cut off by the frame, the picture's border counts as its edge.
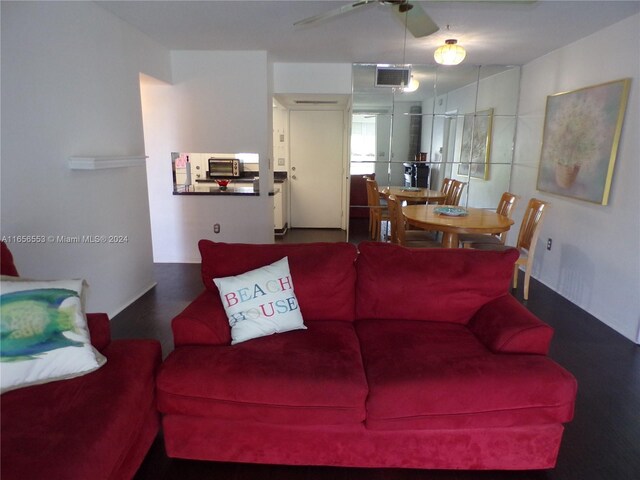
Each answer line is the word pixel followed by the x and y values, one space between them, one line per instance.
pixel 413 84
pixel 450 53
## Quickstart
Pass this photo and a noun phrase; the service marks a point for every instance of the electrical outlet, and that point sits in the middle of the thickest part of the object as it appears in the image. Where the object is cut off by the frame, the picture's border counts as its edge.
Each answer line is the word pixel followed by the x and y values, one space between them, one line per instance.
pixel 549 241
pixel 216 228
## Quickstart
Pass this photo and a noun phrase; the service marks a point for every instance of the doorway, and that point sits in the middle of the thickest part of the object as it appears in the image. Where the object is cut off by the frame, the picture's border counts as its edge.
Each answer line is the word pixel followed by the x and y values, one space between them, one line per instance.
pixel 316 170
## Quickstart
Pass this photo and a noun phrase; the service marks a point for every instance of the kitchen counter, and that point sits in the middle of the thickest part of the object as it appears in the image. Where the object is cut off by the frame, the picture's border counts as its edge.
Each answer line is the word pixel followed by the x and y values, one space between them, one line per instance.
pixel 278 177
pixel 237 187
pixel 209 189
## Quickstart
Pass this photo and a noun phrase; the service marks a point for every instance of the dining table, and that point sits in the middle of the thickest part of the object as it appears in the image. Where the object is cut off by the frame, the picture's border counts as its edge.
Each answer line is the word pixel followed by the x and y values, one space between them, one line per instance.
pixel 413 195
pixel 459 220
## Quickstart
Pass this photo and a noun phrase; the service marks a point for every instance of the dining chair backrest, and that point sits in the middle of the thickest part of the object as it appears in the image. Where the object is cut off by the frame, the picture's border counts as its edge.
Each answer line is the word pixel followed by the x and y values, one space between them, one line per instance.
pixel 447 183
pixel 373 195
pixel 530 226
pixel 377 211
pixel 506 206
pixel 455 193
pixel 397 220
pixel 507 203
pixel 527 240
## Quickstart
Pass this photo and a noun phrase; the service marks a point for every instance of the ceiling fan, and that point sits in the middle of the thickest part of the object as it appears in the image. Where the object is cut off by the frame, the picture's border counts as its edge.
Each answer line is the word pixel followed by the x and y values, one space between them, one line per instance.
pixel 412 15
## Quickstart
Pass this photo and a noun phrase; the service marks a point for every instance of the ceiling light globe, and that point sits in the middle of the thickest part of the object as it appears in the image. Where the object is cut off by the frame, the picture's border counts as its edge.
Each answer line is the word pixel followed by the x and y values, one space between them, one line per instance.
pixel 412 87
pixel 450 53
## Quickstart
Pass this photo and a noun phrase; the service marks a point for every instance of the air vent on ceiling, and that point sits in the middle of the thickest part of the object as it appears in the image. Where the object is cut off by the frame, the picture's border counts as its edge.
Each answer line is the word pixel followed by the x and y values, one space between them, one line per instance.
pixel 392 76
pixel 316 102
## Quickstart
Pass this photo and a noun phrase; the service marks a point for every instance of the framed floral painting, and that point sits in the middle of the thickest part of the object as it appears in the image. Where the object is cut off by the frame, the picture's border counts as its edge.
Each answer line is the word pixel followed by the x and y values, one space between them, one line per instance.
pixel 476 144
pixel 580 141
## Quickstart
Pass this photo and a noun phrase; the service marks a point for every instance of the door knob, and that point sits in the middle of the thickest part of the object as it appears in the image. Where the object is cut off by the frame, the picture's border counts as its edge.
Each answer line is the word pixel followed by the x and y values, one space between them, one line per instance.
pixel 293 177
pixel 293 169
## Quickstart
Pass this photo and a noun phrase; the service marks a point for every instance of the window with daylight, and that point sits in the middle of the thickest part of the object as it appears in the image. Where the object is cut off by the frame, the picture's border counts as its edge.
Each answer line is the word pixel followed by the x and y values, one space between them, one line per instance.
pixel 363 144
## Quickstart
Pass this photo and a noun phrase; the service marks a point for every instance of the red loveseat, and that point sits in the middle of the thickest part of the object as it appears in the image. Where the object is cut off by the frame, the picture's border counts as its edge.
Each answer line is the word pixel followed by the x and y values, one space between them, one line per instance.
pixel 411 358
pixel 96 426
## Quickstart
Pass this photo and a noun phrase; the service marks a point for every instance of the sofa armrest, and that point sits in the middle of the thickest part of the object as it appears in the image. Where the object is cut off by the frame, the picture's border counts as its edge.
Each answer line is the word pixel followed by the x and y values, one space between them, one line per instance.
pixel 505 326
pixel 99 330
pixel 203 322
pixel 7 267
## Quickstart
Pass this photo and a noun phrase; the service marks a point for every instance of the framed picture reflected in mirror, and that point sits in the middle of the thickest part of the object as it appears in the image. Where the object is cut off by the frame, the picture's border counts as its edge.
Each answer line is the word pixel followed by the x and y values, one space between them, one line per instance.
pixel 476 144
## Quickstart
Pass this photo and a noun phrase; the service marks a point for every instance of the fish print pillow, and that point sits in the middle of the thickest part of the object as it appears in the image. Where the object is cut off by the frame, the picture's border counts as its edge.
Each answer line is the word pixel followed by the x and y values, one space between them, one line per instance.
pixel 44 334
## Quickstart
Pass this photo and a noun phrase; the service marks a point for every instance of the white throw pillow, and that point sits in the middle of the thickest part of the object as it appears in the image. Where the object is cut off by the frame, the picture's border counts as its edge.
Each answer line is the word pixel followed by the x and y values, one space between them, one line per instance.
pixel 44 333
pixel 260 302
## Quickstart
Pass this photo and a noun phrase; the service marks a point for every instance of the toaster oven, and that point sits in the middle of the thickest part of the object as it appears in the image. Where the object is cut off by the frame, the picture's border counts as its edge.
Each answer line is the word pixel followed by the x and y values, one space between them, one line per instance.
pixel 224 167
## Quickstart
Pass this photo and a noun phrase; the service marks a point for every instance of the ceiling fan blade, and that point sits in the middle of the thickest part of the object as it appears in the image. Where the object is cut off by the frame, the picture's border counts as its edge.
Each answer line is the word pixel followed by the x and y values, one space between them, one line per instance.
pixel 418 22
pixel 335 12
pixel 494 1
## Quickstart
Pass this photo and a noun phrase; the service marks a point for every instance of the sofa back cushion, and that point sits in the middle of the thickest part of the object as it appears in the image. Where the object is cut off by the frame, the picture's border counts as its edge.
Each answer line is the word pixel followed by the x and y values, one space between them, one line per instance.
pixel 324 274
pixel 443 285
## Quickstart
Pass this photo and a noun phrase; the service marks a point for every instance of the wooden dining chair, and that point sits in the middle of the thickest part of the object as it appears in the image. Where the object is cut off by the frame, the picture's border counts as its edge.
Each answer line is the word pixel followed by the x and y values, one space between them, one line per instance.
pixel 505 207
pixel 378 212
pixel 400 235
pixel 455 193
pixel 527 240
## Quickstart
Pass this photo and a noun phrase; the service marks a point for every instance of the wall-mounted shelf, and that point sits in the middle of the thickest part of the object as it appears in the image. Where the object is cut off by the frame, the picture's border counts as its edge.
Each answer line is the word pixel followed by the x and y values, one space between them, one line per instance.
pixel 98 163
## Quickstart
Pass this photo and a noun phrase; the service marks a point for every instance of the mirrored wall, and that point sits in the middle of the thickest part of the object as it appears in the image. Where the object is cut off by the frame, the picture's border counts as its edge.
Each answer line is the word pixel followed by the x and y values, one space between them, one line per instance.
pixel 459 123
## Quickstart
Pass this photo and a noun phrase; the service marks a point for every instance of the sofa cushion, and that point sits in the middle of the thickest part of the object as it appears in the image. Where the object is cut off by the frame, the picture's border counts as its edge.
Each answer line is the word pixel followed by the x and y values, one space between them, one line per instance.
pixel 85 427
pixel 312 376
pixel 444 285
pixel 260 302
pixel 439 375
pixel 324 274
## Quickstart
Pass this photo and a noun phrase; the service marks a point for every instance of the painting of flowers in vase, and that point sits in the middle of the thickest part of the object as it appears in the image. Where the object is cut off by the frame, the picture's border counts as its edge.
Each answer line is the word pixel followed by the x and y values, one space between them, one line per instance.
pixel 580 141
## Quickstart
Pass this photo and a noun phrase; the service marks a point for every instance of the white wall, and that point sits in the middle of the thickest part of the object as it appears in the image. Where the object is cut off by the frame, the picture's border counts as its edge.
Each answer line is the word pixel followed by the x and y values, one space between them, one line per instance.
pixel 70 88
pixel 280 137
pixel 160 134
pixel 218 102
pixel 595 259
pixel 315 78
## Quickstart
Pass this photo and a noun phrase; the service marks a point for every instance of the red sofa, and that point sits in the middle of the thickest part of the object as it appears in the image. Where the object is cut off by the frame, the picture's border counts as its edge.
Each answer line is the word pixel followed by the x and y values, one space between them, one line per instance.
pixel 411 358
pixel 96 426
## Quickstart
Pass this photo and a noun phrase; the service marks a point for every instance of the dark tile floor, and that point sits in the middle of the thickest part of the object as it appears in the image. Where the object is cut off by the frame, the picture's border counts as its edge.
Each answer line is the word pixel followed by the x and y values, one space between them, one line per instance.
pixel 602 442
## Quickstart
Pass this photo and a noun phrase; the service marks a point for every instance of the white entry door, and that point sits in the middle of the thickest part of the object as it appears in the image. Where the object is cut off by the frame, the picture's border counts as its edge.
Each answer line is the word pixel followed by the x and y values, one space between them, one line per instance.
pixel 316 149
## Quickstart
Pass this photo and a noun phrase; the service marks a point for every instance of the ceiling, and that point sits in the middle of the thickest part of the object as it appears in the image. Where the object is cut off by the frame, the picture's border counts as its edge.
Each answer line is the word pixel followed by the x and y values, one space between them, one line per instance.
pixel 507 33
